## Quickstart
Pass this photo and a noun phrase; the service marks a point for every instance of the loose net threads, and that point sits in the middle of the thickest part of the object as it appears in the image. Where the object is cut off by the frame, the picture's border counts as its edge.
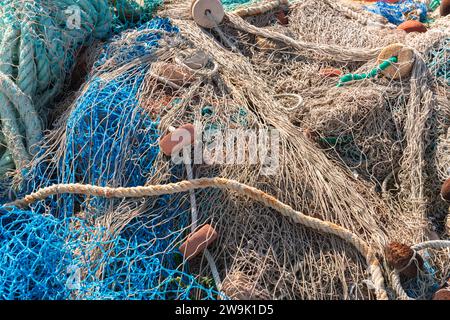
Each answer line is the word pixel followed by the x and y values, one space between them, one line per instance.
pixel 363 165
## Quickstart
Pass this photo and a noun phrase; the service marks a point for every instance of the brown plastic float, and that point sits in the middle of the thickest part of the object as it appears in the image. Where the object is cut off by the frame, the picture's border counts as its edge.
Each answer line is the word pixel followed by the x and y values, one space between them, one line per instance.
pixel 198 241
pixel 444 9
pixel 177 139
pixel 412 26
pixel 330 72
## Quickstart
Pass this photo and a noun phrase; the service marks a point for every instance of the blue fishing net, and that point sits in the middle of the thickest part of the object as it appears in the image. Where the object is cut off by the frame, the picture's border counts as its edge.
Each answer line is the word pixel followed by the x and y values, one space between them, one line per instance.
pixel 59 249
pixel 438 60
pixel 230 5
pixel 401 11
pixel 44 257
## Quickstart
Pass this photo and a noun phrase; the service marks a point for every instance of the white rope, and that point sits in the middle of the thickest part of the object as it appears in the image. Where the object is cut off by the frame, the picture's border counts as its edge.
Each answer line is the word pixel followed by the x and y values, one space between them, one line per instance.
pixel 194 214
pixel 293 95
pixel 433 244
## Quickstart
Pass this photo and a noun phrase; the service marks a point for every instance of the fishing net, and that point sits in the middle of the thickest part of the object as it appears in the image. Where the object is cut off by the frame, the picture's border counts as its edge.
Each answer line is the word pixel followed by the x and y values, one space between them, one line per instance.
pixel 44 257
pixel 370 139
pixel 40 44
pixel 79 248
pixel 368 155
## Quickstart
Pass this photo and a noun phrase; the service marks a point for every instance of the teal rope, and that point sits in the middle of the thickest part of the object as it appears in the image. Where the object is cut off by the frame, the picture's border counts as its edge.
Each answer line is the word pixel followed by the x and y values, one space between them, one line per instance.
pixel 373 73
pixel 37 49
pixel 434 4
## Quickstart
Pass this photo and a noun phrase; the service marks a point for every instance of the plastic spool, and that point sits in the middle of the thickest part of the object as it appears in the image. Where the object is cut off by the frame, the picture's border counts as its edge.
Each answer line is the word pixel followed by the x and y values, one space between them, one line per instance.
pixel 177 74
pixel 207 13
pixel 403 67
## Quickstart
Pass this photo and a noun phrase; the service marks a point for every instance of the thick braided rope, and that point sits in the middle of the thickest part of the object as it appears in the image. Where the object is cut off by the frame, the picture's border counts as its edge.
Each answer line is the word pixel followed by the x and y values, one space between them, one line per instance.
pixel 337 53
pixel 361 17
pixel 259 9
pixel 222 183
pixel 33 38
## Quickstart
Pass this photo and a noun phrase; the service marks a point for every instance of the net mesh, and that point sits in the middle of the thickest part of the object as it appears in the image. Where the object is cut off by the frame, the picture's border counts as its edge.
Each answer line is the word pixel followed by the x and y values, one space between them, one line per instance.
pixel 356 155
pixel 78 248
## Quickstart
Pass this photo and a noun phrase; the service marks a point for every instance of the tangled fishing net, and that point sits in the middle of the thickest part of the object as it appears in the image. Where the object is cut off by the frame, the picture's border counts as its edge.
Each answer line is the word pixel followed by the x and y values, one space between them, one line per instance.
pixel 365 153
pixel 40 43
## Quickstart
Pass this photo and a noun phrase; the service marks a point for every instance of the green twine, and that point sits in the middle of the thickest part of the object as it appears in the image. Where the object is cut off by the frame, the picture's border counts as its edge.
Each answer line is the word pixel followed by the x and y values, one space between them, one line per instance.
pixel 333 141
pixel 373 73
pixel 434 4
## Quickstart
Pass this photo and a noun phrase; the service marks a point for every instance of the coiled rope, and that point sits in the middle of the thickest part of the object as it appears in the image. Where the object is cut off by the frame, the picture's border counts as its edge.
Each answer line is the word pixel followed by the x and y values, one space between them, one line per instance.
pixel 39 41
pixel 225 184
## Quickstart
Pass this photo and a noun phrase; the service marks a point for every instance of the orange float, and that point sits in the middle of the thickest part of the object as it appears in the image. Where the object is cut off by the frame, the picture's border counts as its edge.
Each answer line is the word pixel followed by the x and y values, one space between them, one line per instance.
pixel 442 294
pixel 412 26
pixel 176 140
pixel 445 190
pixel 444 9
pixel 198 241
pixel 330 72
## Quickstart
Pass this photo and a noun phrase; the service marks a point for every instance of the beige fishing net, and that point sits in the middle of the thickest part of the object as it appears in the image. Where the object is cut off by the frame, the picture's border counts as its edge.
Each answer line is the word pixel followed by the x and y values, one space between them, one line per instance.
pixel 369 155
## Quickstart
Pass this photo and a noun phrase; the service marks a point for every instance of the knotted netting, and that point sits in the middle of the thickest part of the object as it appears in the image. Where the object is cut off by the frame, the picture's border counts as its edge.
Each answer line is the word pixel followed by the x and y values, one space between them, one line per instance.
pixel 93 248
pixel 367 154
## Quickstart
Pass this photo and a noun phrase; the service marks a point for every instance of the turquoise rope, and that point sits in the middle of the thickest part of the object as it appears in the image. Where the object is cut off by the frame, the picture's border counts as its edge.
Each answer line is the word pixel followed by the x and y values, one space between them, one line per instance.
pixel 37 49
pixel 373 73
pixel 434 4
